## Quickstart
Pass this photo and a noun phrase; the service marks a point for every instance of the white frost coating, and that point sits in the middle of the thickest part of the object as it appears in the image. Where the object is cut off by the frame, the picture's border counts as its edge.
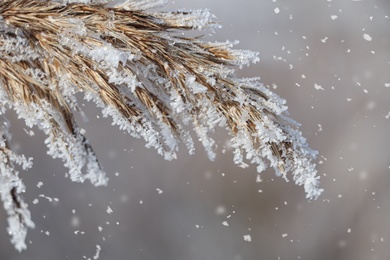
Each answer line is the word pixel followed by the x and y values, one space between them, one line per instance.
pixel 71 148
pixel 194 86
pixel 108 54
pixel 207 142
pixel 4 100
pixel 242 57
pixel 11 186
pixel 177 103
pixel 86 1
pixel 243 146
pixel 16 49
pixel 195 19
pixel 123 78
pixel 169 139
pixel 305 174
pixel 141 5
pixel 149 134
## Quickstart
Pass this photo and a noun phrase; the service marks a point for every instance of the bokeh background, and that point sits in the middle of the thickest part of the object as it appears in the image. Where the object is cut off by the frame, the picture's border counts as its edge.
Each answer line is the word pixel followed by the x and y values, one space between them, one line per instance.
pixel 331 61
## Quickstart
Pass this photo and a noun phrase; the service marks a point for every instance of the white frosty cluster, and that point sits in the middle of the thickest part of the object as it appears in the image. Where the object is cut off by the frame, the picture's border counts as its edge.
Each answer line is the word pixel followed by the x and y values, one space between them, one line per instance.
pixel 11 187
pixel 136 66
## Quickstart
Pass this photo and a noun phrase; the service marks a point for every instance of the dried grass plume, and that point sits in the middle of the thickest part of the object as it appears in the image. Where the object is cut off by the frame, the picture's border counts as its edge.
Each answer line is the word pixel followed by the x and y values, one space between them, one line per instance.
pixel 135 65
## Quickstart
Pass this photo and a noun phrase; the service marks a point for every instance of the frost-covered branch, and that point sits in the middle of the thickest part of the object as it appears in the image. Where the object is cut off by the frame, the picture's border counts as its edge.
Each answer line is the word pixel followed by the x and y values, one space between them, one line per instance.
pixel 135 65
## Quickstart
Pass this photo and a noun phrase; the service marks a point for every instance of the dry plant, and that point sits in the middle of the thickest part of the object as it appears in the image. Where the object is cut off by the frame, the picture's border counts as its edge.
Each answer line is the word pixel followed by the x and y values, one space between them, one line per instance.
pixel 137 67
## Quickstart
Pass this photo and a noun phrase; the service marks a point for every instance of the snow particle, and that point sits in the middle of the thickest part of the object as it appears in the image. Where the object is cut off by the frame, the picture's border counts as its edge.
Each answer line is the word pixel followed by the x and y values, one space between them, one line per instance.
pixel 388 115
pixel 247 238
pixel 318 87
pixel 367 37
pixel 96 256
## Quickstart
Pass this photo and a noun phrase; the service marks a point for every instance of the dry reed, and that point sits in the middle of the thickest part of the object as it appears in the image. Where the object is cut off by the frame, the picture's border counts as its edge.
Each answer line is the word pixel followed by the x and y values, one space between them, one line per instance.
pixel 136 66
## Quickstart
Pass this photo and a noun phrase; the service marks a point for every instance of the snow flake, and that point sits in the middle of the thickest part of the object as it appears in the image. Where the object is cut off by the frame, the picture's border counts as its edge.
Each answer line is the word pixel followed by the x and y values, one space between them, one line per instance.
pixel 367 37
pixel 318 87
pixel 247 238
pixel 97 254
pixel 109 210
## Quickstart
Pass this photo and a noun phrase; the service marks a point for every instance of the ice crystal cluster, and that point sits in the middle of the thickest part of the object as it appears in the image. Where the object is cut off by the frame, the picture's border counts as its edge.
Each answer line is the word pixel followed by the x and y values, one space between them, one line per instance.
pixel 134 63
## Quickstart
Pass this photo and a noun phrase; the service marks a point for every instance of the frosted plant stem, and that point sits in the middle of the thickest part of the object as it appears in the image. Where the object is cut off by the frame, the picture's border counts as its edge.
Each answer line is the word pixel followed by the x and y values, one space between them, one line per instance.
pixel 134 64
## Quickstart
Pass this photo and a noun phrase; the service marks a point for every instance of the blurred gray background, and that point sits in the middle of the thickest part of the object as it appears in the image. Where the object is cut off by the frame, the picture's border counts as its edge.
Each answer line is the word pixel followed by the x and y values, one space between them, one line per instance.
pixel 330 60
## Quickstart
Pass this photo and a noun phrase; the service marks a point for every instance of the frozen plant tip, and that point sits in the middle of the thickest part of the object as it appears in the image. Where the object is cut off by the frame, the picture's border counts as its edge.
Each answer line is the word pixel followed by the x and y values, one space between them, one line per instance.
pixel 136 66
